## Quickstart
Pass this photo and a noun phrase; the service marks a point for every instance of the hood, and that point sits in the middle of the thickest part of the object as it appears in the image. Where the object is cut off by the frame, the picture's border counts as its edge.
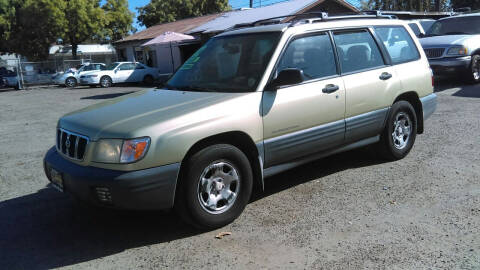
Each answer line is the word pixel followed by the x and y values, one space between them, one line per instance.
pixel 125 116
pixel 444 41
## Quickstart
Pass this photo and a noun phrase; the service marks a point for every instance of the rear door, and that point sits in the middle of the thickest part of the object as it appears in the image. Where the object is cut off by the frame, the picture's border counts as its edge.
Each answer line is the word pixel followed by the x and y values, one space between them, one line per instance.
pixel 405 57
pixel 302 119
pixel 369 82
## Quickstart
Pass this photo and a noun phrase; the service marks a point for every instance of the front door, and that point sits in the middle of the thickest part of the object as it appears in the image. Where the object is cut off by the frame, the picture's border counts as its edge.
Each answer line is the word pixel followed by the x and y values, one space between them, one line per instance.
pixel 308 117
pixel 124 73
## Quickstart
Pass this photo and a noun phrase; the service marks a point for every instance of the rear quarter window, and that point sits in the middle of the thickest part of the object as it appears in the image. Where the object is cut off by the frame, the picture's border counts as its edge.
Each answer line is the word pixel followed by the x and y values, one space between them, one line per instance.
pixel 357 51
pixel 398 43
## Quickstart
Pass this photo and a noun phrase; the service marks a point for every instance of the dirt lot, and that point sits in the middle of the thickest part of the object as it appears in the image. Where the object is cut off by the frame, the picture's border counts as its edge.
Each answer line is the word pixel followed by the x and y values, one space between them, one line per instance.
pixel 349 211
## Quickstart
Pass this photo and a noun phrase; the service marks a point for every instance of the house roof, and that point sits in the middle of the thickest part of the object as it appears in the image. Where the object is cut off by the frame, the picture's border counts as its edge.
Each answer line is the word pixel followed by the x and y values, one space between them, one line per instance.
pixel 180 26
pixel 232 18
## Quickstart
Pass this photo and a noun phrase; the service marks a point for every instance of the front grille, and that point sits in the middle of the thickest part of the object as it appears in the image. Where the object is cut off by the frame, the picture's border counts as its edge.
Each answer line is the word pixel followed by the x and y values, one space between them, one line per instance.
pixel 434 53
pixel 71 144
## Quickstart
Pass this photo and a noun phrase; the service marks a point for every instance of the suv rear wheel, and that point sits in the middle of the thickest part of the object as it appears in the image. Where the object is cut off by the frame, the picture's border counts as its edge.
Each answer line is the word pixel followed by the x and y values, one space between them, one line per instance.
pixel 215 187
pixel 400 131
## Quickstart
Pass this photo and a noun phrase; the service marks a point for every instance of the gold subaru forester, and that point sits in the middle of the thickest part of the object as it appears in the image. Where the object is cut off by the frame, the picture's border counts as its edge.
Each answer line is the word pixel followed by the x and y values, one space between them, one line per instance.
pixel 250 103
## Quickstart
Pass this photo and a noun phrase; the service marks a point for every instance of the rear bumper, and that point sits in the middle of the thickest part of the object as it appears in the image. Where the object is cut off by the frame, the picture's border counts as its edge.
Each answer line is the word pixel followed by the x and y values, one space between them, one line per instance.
pixel 450 66
pixel 152 188
pixel 429 105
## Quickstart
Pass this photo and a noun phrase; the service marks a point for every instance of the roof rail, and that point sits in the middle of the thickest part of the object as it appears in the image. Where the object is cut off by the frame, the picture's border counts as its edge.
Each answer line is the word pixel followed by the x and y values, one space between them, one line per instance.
pixel 313 18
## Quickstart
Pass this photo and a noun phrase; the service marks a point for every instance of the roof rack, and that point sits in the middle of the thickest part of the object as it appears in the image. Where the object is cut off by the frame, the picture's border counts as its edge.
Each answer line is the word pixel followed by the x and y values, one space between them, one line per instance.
pixel 314 17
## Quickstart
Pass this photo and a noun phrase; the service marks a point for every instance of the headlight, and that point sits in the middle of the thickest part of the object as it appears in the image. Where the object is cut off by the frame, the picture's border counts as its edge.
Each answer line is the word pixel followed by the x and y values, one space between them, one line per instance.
pixel 91 76
pixel 120 151
pixel 457 50
pixel 134 150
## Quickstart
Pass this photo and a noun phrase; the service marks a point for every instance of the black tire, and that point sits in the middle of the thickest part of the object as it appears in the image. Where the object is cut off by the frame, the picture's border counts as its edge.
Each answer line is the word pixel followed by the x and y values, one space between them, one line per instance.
pixel 105 81
pixel 70 82
pixel 395 149
pixel 473 74
pixel 148 80
pixel 189 197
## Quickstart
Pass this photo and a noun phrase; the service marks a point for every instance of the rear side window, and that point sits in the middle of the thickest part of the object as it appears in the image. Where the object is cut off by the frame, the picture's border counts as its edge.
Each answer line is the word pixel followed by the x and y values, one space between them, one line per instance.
pixel 398 43
pixel 312 54
pixel 357 51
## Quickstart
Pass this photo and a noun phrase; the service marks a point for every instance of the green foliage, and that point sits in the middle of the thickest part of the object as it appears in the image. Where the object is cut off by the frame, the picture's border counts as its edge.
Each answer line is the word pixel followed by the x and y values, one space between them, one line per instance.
pixel 473 4
pixel 84 21
pixel 30 27
pixel 118 19
pixel 162 11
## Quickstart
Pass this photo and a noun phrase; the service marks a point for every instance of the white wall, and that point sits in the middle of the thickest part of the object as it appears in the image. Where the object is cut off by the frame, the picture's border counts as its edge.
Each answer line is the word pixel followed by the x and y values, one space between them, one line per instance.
pixel 164 57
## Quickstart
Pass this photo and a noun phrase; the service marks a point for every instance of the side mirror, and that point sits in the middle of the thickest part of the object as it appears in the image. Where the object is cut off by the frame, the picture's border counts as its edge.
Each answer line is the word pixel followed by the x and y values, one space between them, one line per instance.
pixel 288 76
pixel 116 70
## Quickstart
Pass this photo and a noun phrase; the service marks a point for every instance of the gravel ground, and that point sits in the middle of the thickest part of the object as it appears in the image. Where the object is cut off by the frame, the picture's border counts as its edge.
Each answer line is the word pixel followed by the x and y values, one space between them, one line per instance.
pixel 349 211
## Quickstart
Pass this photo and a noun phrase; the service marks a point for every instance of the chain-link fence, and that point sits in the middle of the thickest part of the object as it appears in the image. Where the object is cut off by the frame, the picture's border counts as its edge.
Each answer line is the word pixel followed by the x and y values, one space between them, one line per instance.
pixel 18 74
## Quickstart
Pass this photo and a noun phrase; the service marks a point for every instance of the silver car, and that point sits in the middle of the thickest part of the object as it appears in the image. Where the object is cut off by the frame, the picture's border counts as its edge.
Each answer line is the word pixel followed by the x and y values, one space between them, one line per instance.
pixel 71 77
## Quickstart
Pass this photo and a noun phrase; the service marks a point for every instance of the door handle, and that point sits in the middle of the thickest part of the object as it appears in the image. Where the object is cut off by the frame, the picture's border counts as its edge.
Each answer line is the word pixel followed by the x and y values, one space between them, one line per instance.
pixel 330 88
pixel 385 76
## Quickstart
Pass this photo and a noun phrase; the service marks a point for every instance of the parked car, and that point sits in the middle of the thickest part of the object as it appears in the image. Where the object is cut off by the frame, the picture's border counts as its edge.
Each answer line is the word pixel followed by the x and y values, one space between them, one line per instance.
pixel 8 78
pixel 452 46
pixel 250 103
pixel 71 77
pixel 120 72
pixel 420 27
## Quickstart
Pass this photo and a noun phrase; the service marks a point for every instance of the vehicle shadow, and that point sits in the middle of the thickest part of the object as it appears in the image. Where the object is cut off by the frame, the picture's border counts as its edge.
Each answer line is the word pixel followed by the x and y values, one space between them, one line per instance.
pixel 107 96
pixel 471 91
pixel 47 229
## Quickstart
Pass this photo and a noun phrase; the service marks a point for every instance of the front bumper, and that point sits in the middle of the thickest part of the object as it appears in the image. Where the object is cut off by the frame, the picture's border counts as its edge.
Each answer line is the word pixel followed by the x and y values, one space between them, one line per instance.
pixel 450 65
pixel 429 105
pixel 146 189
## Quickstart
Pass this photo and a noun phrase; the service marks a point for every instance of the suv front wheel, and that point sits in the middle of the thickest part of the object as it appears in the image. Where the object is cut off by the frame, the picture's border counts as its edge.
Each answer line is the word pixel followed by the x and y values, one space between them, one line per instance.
pixel 400 131
pixel 215 187
pixel 474 76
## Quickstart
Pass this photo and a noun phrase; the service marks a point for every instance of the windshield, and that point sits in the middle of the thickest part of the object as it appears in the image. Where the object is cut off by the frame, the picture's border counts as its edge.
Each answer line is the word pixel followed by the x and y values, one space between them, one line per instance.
pixel 469 25
pixel 426 25
pixel 112 66
pixel 227 64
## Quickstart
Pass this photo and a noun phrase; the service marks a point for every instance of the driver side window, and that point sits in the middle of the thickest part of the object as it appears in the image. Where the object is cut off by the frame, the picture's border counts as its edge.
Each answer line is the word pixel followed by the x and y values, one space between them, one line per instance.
pixel 312 54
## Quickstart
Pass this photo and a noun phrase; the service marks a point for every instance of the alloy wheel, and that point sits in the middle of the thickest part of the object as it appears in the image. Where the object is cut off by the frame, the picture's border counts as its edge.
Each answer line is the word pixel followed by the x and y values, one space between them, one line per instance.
pixel 402 128
pixel 218 187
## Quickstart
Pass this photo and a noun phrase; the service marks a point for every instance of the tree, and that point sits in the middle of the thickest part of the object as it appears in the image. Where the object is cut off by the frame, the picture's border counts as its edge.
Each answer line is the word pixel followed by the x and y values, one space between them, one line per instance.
pixel 118 19
pixel 163 11
pixel 407 5
pixel 473 4
pixel 84 21
pixel 32 25
pixel 7 15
